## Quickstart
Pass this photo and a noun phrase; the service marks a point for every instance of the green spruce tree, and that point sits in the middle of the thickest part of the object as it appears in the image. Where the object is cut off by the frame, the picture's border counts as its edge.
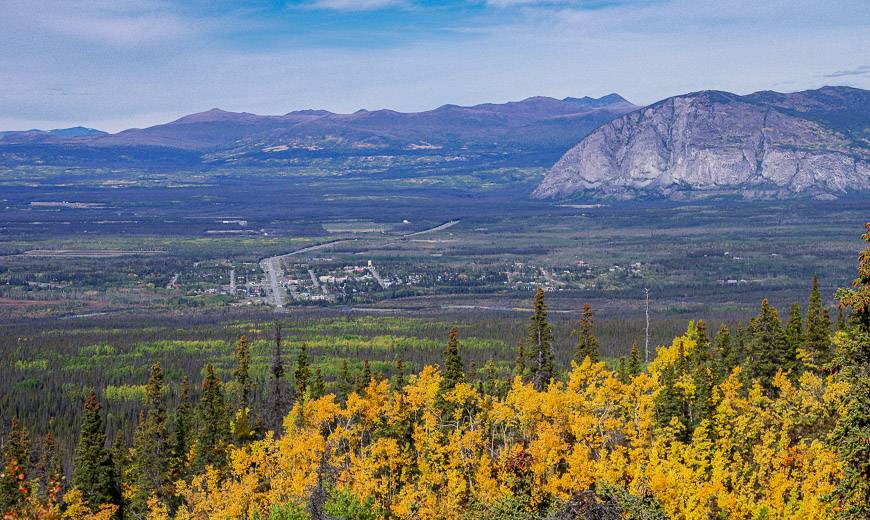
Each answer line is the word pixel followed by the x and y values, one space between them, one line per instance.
pixel 278 391
pixel 767 345
pixel 345 381
pixel 635 367
pixel 794 333
pixel 242 375
pixel 302 374
pixel 94 472
pixel 816 342
pixel 540 340
pixel 725 355
pixel 851 434
pixel 398 382
pixel 453 372
pixel 212 435
pixel 151 448
pixel 181 434
pixel 318 387
pixel 587 344
pixel 520 361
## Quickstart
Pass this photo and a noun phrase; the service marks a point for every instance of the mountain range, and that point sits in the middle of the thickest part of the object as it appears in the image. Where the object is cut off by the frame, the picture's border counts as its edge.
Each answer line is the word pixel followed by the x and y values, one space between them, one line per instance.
pixel 814 143
pixel 537 125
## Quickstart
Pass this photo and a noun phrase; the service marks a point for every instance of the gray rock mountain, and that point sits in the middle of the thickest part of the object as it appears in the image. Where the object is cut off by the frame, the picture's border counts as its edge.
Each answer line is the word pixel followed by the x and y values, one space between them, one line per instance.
pixel 764 145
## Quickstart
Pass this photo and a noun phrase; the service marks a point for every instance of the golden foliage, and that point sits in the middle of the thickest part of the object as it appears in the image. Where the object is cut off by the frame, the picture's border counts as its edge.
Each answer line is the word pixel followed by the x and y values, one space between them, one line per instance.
pixel 758 455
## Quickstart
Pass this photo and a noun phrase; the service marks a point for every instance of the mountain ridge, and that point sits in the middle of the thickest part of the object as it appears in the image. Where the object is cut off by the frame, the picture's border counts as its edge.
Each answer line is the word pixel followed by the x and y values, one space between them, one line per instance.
pixel 539 126
pixel 766 144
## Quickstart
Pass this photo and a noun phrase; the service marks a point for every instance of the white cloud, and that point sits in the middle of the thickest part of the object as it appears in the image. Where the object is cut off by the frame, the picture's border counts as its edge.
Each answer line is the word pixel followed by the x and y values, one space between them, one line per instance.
pixel 356 5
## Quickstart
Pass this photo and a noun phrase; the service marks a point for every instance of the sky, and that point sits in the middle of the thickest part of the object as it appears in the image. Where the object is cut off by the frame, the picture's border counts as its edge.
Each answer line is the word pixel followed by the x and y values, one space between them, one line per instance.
pixel 116 64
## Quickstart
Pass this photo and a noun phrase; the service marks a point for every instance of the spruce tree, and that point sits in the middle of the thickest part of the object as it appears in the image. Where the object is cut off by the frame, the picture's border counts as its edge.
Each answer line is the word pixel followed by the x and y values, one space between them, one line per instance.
pixel 816 343
pixel 398 382
pixel 94 472
pixel 794 333
pixel 182 433
pixel 540 340
pixel 725 355
pixel 302 374
pixel 14 478
pixel 151 446
pixel 366 377
pixel 345 381
pixel 634 363
pixel 318 387
pixel 587 344
pixel 241 373
pixel 767 345
pixel 851 434
pixel 121 460
pixel 278 391
pixel 453 372
pixel 703 356
pixel 520 361
pixel 213 433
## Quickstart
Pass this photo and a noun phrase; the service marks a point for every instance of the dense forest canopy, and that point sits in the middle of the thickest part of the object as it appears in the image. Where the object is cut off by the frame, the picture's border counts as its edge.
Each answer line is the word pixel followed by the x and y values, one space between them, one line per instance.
pixel 768 420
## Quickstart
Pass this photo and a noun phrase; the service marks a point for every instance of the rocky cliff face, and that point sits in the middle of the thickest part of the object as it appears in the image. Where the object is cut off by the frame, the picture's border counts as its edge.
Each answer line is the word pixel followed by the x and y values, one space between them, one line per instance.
pixel 709 143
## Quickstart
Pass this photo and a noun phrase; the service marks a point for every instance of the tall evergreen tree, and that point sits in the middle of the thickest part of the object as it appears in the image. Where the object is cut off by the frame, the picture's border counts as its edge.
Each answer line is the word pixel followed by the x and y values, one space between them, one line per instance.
pixel 453 372
pixel 213 433
pixel 318 387
pixel 794 333
pixel 852 430
pixel 151 446
pixel 241 373
pixel 767 345
pixel 703 356
pixel 345 381
pixel 520 361
pixel 540 340
pixel 398 382
pixel 634 363
pixel 182 433
pixel 587 344
pixel 726 355
pixel 366 377
pixel 302 375
pixel 121 460
pixel 816 351
pixel 278 391
pixel 94 472
pixel 14 478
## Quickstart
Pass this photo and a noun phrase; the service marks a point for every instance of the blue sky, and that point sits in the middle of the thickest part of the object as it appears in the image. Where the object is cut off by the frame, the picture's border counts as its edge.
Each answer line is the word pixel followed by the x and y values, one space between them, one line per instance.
pixel 114 64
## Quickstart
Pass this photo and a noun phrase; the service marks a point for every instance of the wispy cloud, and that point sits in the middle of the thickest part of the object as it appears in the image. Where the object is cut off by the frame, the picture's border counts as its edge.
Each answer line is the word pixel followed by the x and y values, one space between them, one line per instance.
pixel 355 5
pixel 863 70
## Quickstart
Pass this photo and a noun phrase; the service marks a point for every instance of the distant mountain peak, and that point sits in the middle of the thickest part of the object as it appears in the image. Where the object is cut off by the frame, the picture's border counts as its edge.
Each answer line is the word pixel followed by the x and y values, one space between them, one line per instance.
pixel 813 143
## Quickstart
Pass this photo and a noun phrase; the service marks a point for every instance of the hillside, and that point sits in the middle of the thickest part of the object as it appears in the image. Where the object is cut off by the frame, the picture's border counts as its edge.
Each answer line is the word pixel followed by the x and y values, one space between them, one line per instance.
pixel 710 143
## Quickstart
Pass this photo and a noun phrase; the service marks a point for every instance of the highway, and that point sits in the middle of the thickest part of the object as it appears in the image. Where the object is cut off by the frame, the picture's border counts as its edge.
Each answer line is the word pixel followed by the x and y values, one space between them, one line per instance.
pixel 274 272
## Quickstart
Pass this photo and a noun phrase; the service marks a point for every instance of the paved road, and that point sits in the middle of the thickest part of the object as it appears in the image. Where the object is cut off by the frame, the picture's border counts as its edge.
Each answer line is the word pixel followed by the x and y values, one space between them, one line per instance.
pixel 377 277
pixel 274 273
